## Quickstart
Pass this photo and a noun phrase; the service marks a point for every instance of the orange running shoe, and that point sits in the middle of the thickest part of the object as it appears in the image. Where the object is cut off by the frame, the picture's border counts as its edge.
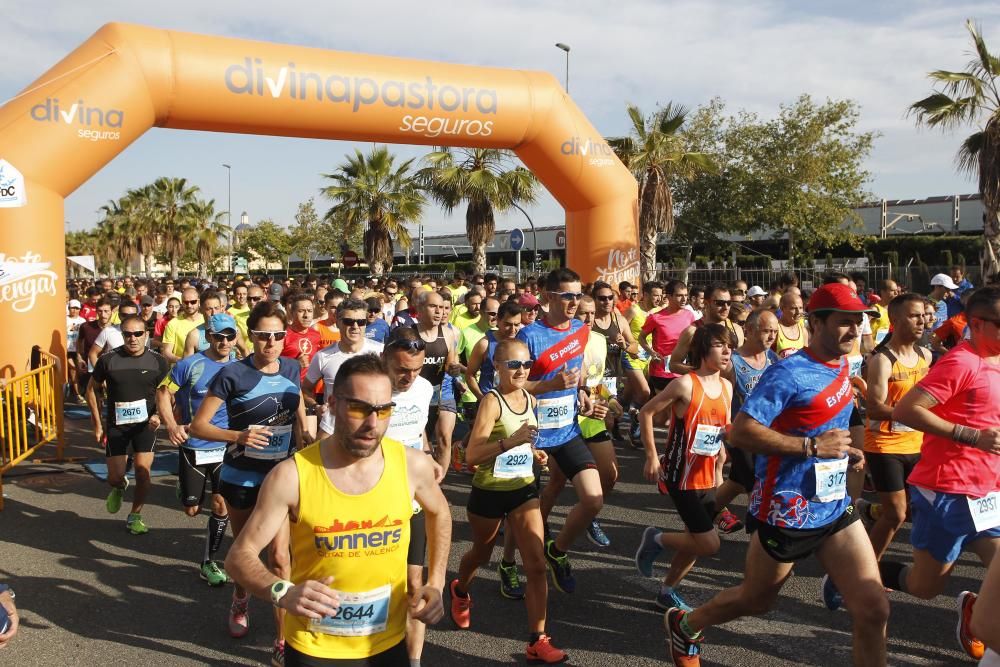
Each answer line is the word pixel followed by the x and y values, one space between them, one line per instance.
pixel 542 652
pixel 972 646
pixel 460 607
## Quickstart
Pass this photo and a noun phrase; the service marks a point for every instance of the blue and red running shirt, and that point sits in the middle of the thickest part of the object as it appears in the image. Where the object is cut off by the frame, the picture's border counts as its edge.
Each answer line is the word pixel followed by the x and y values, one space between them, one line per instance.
pixel 551 349
pixel 801 396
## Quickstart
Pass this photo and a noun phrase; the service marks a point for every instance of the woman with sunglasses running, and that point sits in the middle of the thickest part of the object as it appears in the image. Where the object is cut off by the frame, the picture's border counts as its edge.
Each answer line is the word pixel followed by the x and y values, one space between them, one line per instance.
pixel 501 444
pixel 262 398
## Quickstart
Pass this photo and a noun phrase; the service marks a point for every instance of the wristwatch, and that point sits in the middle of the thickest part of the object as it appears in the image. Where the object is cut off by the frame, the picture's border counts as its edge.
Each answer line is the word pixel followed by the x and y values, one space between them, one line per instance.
pixel 279 589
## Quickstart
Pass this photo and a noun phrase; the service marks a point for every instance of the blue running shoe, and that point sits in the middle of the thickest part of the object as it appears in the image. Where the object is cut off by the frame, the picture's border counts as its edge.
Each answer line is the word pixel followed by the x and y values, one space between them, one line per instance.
pixel 562 572
pixel 634 430
pixel 649 549
pixel 831 596
pixel 596 534
pixel 666 600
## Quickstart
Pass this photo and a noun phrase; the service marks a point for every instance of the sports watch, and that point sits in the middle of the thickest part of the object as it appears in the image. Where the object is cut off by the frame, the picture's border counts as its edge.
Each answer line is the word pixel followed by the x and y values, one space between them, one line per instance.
pixel 279 589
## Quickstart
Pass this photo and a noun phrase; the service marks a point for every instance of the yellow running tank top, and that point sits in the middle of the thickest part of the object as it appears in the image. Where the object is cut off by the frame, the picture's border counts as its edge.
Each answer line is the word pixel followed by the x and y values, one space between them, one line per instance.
pixel 511 470
pixel 785 346
pixel 361 541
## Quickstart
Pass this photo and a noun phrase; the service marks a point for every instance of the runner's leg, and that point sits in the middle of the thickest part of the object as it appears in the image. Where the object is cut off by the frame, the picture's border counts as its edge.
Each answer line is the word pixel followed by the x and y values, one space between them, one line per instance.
pixel 590 499
pixel 607 464
pixel 484 534
pixel 526 523
pixel 444 429
pixel 894 508
pixel 142 463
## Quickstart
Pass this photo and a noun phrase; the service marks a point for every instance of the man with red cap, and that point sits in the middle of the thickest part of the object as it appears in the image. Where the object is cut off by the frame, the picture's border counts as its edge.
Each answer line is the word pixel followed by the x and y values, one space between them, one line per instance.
pixel 796 422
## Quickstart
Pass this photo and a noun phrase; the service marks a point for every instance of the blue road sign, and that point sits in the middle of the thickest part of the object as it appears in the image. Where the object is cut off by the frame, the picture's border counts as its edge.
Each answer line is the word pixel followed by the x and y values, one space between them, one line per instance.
pixel 516 239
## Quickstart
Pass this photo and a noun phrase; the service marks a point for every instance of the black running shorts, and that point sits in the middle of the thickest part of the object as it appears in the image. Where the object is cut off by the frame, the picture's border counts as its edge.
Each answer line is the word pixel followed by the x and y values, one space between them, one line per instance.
pixel 418 540
pixel 741 467
pixel 239 497
pixel 696 509
pixel 572 457
pixel 787 545
pixel 498 504
pixel 194 478
pixel 393 657
pixel 120 439
pixel 889 471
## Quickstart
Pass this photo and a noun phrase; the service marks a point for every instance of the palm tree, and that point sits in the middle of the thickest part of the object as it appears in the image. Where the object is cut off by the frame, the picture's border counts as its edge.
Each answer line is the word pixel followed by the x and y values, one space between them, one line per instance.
pixel 372 193
pixel 172 206
pixel 972 97
pixel 656 154
pixel 208 231
pixel 143 226
pixel 118 234
pixel 488 179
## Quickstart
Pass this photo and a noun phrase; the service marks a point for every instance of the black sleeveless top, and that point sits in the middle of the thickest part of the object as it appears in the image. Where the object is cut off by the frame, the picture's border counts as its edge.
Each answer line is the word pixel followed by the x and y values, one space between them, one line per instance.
pixel 434 358
pixel 613 365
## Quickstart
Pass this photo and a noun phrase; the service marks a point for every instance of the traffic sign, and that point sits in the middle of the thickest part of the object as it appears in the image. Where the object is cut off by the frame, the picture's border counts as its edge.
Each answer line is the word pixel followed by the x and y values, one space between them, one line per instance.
pixel 350 259
pixel 516 239
pixel 561 239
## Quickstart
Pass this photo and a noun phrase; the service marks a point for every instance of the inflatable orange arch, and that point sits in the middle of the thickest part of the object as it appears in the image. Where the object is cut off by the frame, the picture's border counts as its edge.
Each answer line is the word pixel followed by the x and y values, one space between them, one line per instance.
pixel 125 79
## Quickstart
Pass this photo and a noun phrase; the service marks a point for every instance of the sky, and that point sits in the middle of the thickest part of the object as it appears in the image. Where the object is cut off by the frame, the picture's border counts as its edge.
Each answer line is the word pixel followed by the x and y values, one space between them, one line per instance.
pixel 754 55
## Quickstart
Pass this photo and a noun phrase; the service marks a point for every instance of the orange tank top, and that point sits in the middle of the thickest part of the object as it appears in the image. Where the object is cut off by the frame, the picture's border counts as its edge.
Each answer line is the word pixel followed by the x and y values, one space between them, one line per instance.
pixel 889 437
pixel 695 439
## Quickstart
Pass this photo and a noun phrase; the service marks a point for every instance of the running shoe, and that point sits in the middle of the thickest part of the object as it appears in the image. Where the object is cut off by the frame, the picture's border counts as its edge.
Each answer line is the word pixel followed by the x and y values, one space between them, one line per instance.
pixel 831 596
pixel 671 598
pixel 114 501
pixel 649 549
pixel 460 607
pixel 597 535
pixel 239 619
pixel 136 525
pixel 869 511
pixel 728 522
pixel 562 573
pixel 213 574
pixel 542 652
pixel 510 582
pixel 634 430
pixel 684 652
pixel 972 646
pixel 278 654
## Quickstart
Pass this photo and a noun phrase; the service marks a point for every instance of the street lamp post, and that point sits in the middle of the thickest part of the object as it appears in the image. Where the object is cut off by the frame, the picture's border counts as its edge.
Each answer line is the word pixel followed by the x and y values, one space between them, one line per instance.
pixel 565 47
pixel 244 223
pixel 534 240
pixel 229 212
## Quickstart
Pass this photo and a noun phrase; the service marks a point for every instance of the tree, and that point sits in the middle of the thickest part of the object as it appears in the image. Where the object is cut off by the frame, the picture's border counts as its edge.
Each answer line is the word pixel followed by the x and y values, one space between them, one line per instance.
pixel 374 194
pixel 656 155
pixel 170 202
pixel 971 97
pixel 487 179
pixel 207 232
pixel 308 235
pixel 798 175
pixel 269 241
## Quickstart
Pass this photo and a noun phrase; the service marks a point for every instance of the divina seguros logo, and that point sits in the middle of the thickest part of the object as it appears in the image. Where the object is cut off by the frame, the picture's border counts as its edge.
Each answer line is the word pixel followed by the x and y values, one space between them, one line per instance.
pixel 93 121
pixel 597 151
pixel 253 77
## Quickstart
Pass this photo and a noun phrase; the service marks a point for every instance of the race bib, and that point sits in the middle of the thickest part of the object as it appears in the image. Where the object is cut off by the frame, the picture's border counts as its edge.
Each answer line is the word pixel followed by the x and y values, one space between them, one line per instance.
pixel 854 363
pixel 707 440
pixel 611 384
pixel 277 446
pixel 514 463
pixel 831 480
pixel 556 412
pixel 897 427
pixel 207 456
pixel 880 336
pixel 985 511
pixel 130 412
pixel 359 614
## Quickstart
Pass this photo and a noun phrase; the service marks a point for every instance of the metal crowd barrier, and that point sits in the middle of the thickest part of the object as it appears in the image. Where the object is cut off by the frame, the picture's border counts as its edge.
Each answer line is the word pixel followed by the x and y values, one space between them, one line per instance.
pixel 28 413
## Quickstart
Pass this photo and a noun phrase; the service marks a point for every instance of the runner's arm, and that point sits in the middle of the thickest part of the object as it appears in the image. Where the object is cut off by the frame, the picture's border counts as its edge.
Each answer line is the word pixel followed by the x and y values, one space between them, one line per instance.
pixel 879 370
pixel 750 435
pixel 678 357
pixel 679 389
pixel 427 492
pixel 644 344
pixel 475 364
pixel 203 428
pixel 241 345
pixel 94 353
pixel 914 410
pixel 631 345
pixel 165 408
pixel 95 409
pixel 167 342
pixel 306 437
pixel 478 450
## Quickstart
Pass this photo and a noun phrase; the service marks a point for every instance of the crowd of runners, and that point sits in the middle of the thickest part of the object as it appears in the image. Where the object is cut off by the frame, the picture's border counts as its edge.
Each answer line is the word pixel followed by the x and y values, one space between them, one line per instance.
pixel 316 420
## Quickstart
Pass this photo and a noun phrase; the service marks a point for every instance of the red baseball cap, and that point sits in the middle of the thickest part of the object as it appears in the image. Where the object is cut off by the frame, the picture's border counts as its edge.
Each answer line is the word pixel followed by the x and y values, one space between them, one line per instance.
pixel 838 297
pixel 528 300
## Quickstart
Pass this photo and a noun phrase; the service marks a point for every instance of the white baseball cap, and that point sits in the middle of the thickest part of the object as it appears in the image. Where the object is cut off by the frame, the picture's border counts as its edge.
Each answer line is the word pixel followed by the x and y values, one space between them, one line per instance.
pixel 756 290
pixel 73 303
pixel 944 280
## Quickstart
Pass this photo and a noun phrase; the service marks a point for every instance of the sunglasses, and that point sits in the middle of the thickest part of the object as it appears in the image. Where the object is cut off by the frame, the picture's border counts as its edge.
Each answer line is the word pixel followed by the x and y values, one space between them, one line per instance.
pixel 738 292
pixel 417 345
pixel 133 334
pixel 374 310
pixel 491 313
pixel 358 409
pixel 569 296
pixel 223 336
pixel 607 297
pixel 267 335
pixel 722 304
pixel 191 303
pixel 350 321
pixel 255 299
pixel 514 364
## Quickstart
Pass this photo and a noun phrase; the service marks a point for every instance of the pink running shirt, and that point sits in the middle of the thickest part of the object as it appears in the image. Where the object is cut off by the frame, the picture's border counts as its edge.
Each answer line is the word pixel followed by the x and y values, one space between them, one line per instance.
pixel 666 329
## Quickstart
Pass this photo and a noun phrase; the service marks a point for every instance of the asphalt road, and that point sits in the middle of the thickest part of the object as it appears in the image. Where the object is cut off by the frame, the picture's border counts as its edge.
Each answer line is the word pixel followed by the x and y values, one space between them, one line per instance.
pixel 91 594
